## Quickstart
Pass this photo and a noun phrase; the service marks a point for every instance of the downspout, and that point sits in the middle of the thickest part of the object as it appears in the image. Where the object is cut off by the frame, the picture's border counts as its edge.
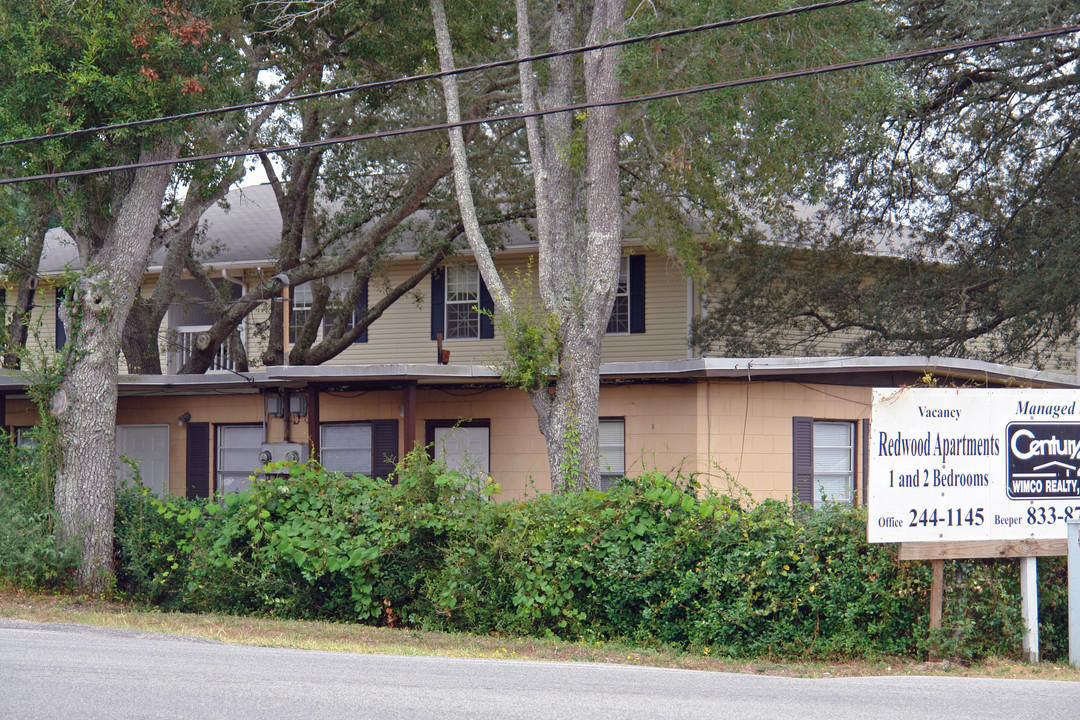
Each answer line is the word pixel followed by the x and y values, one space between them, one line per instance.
pixel 689 316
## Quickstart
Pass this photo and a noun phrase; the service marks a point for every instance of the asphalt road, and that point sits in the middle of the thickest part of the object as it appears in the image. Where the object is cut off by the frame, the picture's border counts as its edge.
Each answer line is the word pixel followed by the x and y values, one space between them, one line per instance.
pixel 69 671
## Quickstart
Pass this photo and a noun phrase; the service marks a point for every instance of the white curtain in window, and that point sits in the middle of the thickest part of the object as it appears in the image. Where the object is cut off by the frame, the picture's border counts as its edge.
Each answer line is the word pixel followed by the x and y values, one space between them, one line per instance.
pixel 612 453
pixel 833 458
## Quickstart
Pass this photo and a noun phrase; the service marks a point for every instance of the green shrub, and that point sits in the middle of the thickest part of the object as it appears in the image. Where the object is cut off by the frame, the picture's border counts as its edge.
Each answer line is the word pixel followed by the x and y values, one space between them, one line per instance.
pixel 1054 608
pixel 310 543
pixel 32 555
pixel 655 560
pixel 152 541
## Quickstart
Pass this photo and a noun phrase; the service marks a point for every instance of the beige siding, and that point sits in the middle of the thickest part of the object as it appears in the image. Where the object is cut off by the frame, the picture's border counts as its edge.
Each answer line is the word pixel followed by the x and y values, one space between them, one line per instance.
pixel 745 429
pixel 403 333
pixel 723 431
pixel 203 408
pixel 256 326
pixel 666 318
pixel 42 336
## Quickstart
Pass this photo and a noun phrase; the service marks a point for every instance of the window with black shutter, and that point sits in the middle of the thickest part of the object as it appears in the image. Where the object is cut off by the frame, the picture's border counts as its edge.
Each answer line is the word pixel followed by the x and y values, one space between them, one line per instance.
pixel 823 460
pixel 628 309
pixel 461 305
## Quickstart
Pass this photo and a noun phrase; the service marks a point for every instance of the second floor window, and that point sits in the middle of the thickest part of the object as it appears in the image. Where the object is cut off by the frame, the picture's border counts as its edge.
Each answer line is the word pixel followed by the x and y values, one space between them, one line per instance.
pixel 620 310
pixel 303 296
pixel 462 302
pixel 461 305
pixel 628 310
pixel 300 308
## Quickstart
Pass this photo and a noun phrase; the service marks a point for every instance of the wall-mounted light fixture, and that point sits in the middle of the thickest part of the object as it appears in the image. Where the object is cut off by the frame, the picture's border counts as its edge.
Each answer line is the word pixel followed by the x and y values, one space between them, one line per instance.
pixel 186 417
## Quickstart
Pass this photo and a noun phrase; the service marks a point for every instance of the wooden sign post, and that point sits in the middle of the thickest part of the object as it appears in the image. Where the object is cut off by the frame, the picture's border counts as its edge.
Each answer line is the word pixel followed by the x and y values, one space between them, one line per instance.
pixel 1026 550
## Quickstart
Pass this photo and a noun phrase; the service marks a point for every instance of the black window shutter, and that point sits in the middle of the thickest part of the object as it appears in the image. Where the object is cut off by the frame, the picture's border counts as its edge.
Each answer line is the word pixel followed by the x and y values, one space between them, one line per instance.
pixel 61 331
pixel 384 440
pixel 438 302
pixel 360 310
pixel 803 459
pixel 197 472
pixel 637 293
pixel 487 307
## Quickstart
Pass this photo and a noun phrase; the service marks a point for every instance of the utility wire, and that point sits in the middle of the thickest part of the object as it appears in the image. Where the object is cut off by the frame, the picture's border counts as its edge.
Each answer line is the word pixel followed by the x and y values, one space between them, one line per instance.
pixel 679 92
pixel 435 75
pixel 7 260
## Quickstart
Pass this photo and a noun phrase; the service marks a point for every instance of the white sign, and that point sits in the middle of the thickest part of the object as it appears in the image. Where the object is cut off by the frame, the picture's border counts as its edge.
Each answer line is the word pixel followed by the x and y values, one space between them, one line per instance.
pixel 959 464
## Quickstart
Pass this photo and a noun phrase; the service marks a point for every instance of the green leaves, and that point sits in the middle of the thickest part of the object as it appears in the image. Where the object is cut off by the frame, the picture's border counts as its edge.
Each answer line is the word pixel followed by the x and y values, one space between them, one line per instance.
pixel 656 560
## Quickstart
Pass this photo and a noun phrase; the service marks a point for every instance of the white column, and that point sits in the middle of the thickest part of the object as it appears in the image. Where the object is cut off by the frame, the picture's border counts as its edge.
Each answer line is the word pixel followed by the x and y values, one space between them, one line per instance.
pixel 1074 592
pixel 1029 593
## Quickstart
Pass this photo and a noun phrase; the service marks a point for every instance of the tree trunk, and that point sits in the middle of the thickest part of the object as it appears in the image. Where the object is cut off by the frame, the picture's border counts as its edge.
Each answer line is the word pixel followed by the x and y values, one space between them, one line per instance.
pixel 579 226
pixel 140 337
pixel 568 414
pixel 274 354
pixel 85 402
pixel 238 352
pixel 139 341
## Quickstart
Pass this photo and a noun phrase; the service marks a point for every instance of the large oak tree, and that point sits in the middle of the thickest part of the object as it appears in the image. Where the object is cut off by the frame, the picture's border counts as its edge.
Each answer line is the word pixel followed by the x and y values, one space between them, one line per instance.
pixel 955 233
pixel 73 66
pixel 703 166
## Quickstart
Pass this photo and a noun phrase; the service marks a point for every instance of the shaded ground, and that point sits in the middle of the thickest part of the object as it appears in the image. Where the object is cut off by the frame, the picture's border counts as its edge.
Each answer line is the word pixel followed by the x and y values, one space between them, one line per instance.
pixel 313 635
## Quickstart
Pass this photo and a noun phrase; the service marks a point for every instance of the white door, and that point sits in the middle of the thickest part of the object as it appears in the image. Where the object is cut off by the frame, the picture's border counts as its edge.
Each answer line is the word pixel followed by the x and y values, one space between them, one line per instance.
pixel 464 449
pixel 148 446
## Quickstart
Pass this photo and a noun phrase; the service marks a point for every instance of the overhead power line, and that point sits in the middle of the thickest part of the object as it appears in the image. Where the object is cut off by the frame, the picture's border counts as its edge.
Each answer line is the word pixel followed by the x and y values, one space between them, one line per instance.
pixel 434 75
pixel 6 259
pixel 576 107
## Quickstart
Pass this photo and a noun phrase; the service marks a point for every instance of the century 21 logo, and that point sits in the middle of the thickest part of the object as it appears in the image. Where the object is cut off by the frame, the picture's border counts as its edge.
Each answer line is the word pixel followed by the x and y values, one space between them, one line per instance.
pixel 1044 460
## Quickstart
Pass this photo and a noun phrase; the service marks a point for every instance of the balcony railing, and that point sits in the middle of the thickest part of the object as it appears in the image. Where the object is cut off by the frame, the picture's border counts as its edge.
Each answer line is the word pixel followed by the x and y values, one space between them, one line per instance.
pixel 186 344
